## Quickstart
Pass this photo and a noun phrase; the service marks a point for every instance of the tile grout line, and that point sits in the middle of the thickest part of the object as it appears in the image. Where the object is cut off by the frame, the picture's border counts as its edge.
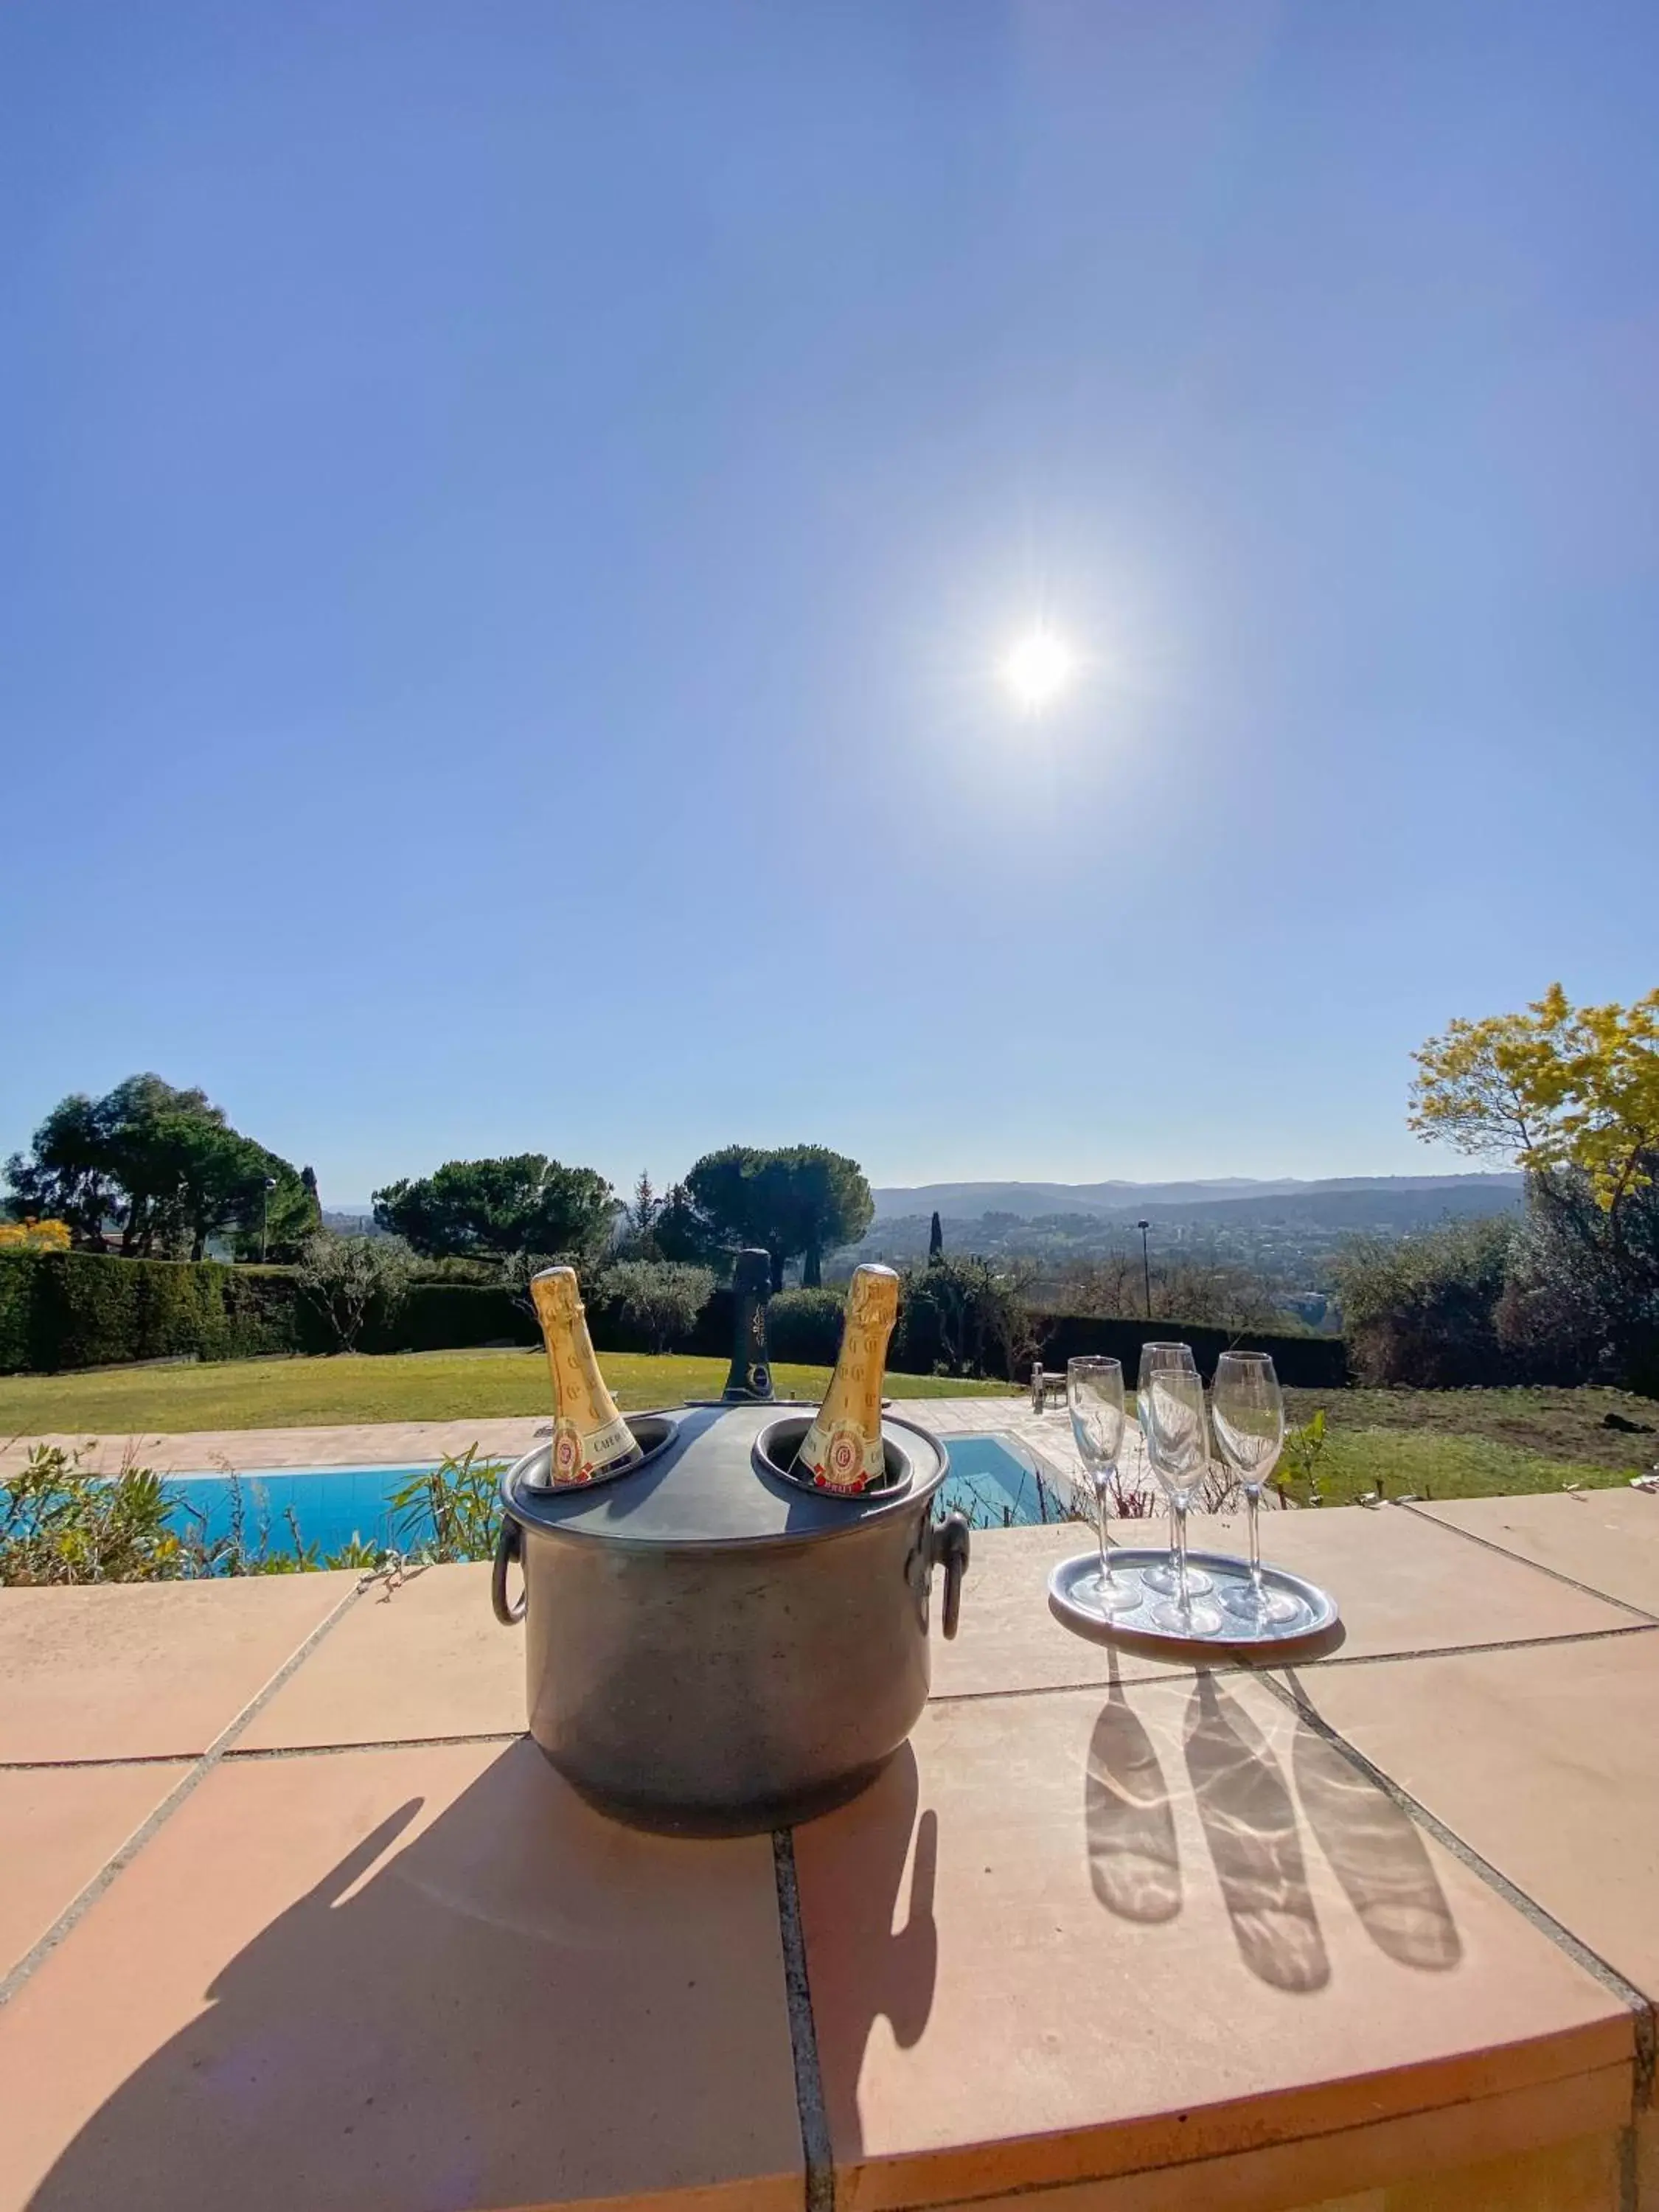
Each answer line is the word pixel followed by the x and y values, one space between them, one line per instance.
pixel 187 1783
pixel 264 1751
pixel 1290 1693
pixel 269 1751
pixel 1178 1673
pixel 1179 1670
pixel 1555 1574
pixel 89 1766
pixel 817 2158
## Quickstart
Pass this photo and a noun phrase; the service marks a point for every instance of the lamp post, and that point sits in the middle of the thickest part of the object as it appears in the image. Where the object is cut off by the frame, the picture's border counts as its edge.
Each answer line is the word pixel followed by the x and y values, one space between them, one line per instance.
pixel 1146 1266
pixel 265 1215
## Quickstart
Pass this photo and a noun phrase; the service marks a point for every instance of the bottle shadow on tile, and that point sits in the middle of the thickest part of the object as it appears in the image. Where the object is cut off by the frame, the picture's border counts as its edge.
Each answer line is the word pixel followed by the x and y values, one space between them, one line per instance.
pixel 1374 1850
pixel 1134 1860
pixel 866 1875
pixel 1249 1822
pixel 500 2007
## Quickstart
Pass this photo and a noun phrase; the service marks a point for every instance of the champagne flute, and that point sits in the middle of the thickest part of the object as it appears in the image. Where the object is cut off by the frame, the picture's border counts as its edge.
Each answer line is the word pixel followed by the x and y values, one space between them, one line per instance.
pixel 1165 1579
pixel 1178 1446
pixel 1249 1430
pixel 1094 1397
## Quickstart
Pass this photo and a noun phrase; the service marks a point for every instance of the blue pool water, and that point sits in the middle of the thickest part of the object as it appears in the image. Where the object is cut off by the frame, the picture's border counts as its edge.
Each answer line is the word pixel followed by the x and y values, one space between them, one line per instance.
pixel 997 1486
pixel 989 1481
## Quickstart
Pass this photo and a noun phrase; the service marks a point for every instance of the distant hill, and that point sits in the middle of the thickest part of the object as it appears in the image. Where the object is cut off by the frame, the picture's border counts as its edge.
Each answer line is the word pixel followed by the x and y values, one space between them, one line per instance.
pixel 1358 1200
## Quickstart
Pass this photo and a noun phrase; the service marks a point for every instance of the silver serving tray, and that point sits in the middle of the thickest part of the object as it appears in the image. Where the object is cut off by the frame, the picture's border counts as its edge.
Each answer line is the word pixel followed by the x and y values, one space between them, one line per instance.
pixel 1318 1620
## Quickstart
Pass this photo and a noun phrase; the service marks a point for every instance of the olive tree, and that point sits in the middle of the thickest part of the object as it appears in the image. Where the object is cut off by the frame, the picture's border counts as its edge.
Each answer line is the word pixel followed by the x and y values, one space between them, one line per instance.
pixel 352 1280
pixel 661 1297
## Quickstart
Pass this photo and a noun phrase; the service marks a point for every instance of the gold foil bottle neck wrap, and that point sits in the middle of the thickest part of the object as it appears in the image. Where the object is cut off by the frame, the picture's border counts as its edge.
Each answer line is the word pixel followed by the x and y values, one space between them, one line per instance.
pixel 589 1437
pixel 842 1449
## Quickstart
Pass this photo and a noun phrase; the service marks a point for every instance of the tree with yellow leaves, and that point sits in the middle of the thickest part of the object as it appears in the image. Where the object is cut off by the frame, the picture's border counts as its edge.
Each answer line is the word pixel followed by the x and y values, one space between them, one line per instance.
pixel 1571 1095
pixel 1557 1088
pixel 31 1236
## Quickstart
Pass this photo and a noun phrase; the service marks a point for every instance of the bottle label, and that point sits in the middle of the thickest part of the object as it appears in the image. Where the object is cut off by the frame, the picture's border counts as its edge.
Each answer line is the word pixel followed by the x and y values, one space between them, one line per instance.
pixel 841 1457
pixel 576 1458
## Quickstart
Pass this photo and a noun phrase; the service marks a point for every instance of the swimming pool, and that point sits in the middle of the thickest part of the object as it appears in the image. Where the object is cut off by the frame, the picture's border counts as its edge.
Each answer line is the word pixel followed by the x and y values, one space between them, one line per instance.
pixel 996 1483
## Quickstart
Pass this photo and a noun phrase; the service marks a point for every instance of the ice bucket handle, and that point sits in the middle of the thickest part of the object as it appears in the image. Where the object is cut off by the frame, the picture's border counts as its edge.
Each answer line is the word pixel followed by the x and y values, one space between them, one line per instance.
pixel 509 1546
pixel 947 1548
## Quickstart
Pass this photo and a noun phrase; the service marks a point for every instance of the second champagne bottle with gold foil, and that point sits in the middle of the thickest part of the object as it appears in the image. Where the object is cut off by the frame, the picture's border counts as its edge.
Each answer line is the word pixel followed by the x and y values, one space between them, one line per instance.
pixel 842 1448
pixel 589 1437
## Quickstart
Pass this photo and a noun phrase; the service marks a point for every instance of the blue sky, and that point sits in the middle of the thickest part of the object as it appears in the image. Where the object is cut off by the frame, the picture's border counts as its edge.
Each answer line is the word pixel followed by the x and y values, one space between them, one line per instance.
pixel 510 515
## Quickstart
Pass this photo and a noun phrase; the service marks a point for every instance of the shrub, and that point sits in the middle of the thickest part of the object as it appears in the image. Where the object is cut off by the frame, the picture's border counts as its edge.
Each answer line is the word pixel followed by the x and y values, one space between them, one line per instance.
pixel 804 1327
pixel 961 1317
pixel 1300 1461
pixel 351 1281
pixel 60 1525
pixel 1581 1296
pixel 662 1299
pixel 31 1235
pixel 458 1499
pixel 1422 1309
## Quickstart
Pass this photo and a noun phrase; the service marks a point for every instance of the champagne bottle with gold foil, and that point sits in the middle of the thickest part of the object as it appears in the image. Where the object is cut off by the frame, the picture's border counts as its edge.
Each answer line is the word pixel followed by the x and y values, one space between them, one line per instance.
pixel 589 1437
pixel 750 1379
pixel 842 1449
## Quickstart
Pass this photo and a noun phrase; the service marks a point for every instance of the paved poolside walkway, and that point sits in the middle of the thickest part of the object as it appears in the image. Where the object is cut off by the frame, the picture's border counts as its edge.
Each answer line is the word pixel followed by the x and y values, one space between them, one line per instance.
pixel 406 1444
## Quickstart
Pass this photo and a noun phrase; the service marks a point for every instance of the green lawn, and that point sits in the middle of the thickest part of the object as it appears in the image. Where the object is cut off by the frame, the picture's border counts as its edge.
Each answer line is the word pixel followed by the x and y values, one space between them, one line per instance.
pixel 1476 1443
pixel 1434 1443
pixel 424 1386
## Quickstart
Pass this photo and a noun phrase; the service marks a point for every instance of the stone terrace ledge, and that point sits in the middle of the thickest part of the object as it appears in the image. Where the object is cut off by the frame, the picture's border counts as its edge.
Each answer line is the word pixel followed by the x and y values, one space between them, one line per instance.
pixel 293 1917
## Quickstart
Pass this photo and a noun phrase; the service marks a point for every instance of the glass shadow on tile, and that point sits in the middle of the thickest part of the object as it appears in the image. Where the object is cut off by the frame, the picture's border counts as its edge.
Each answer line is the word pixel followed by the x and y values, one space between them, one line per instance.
pixel 1374 1849
pixel 1248 1818
pixel 1250 1813
pixel 1129 1821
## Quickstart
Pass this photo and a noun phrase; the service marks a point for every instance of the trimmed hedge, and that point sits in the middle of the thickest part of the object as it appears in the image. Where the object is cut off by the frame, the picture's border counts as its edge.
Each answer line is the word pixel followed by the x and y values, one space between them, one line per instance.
pixel 16 1308
pixel 67 1309
pixel 451 1316
pixel 804 1327
pixel 1303 1363
pixel 62 1311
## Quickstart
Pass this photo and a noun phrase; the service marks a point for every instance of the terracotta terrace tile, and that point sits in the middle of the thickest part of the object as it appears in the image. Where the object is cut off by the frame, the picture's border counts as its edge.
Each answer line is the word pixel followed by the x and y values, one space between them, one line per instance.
pixel 147 1669
pixel 1403 1584
pixel 408 1979
pixel 427 1659
pixel 1076 1936
pixel 1006 1638
pixel 1554 2149
pixel 1607 1539
pixel 58 1827
pixel 1543 1761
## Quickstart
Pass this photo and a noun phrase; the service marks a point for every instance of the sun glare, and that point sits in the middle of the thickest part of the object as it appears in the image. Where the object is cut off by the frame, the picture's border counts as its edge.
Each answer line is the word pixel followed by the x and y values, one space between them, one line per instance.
pixel 1037 670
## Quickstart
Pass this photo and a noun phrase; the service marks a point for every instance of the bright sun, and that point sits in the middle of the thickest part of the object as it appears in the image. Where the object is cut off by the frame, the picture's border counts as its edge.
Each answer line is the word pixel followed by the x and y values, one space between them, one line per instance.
pixel 1037 670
